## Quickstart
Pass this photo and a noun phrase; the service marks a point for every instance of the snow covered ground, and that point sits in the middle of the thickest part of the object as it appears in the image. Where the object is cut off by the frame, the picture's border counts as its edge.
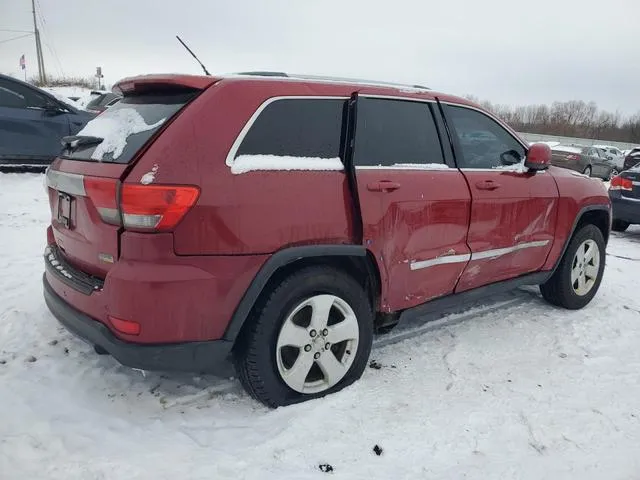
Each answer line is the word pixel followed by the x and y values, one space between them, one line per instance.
pixel 524 391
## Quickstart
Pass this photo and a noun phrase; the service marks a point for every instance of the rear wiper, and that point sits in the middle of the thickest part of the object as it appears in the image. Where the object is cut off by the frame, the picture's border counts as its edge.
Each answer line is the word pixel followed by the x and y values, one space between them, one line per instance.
pixel 74 141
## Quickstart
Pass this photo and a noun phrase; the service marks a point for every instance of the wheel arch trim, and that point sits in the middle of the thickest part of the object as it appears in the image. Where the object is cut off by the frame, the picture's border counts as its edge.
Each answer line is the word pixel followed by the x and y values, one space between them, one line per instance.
pixel 586 209
pixel 278 260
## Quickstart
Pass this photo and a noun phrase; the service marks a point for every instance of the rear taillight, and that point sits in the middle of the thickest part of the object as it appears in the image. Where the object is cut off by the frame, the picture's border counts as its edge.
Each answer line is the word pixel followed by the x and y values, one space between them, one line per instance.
pixel 102 192
pixel 573 156
pixel 140 207
pixel 620 183
pixel 156 207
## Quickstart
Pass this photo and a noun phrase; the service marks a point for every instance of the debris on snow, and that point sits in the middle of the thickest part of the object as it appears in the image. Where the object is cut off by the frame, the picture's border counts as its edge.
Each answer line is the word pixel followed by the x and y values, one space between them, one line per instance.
pixel 30 359
pixel 377 450
pixel 325 467
pixel 375 365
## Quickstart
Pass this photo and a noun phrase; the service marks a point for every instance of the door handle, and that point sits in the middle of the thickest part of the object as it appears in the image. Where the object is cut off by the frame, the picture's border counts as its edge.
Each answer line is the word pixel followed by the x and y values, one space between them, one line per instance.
pixel 383 186
pixel 487 185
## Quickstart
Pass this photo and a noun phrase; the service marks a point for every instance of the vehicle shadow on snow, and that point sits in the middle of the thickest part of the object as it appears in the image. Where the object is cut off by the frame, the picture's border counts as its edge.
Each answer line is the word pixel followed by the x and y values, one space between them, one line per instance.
pixel 175 391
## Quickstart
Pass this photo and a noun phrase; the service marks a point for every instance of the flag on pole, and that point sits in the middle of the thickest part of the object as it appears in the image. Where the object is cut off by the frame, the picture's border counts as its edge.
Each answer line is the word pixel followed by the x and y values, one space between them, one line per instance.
pixel 23 63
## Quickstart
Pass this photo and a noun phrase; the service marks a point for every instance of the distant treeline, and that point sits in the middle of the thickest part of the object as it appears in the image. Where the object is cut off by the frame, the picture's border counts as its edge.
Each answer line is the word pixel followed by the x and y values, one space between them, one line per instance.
pixel 574 118
pixel 86 82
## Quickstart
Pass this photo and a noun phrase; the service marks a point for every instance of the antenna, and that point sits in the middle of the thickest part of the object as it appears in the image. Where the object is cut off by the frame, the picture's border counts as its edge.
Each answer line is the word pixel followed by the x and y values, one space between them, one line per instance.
pixel 206 72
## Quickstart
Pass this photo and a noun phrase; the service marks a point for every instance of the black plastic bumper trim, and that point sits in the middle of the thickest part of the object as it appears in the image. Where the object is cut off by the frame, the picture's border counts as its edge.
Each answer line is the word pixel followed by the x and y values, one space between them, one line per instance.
pixel 57 266
pixel 211 357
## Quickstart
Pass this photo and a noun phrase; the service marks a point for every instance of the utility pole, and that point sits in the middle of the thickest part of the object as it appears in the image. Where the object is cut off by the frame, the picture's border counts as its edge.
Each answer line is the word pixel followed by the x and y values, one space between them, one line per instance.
pixel 41 73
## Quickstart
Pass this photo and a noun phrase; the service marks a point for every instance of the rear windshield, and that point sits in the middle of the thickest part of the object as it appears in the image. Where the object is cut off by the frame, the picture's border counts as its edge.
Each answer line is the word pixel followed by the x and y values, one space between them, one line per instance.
pixel 127 126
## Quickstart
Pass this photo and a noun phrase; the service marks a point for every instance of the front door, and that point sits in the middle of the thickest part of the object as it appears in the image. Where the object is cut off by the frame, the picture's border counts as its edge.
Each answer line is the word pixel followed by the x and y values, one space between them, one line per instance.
pixel 27 129
pixel 513 211
pixel 414 206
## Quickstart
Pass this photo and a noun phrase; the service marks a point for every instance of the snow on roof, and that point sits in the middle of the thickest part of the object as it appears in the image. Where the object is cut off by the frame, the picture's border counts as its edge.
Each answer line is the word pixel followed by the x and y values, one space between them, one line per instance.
pixel 562 148
pixel 83 94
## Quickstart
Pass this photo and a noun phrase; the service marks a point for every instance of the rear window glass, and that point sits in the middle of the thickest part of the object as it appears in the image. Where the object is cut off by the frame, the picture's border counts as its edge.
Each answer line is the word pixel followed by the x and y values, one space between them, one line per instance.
pixel 296 128
pixel 127 126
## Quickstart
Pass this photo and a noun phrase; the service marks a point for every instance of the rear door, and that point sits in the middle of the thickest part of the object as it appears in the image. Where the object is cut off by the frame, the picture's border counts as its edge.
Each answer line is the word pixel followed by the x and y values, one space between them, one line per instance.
pixel 83 182
pixel 414 205
pixel 513 211
pixel 28 128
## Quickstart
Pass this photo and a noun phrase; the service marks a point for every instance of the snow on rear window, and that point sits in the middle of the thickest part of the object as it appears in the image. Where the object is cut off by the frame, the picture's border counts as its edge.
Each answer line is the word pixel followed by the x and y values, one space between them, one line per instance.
pixel 127 126
pixel 115 129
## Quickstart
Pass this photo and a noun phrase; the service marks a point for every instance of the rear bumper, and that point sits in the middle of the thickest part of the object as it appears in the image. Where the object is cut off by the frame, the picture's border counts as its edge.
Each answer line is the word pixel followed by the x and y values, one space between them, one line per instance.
pixel 624 209
pixel 198 357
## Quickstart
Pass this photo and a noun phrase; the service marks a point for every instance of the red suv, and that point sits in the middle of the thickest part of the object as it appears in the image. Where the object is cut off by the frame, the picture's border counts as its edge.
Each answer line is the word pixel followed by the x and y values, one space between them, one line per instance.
pixel 275 222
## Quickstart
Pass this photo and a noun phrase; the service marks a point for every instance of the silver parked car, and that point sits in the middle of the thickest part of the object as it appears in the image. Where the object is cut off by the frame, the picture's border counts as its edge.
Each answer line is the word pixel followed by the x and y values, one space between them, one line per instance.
pixel 586 160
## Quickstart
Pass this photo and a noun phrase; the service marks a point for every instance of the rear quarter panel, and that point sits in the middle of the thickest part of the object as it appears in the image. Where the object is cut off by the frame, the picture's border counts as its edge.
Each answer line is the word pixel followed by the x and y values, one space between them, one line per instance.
pixel 576 192
pixel 254 212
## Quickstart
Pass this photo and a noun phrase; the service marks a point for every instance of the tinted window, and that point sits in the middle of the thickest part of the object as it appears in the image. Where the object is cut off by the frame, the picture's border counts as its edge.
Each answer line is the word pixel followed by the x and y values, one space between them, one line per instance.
pixel 127 126
pixel 16 95
pixel 395 132
pixel 484 143
pixel 296 128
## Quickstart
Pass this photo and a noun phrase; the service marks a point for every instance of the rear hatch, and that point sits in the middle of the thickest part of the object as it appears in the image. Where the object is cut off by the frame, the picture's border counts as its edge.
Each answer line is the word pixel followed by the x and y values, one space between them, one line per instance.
pixel 85 182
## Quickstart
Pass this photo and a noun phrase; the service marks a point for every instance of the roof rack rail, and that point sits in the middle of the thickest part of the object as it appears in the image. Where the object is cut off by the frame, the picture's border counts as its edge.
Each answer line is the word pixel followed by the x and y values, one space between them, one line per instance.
pixel 332 79
pixel 263 74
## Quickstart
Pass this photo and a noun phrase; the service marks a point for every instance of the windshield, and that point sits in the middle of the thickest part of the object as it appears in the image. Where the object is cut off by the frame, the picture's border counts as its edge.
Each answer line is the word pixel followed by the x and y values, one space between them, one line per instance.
pixel 126 127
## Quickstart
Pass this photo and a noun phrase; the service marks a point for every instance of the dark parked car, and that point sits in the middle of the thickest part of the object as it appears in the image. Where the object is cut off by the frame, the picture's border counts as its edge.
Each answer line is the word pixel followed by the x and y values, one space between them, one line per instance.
pixel 587 160
pixel 632 159
pixel 203 220
pixel 101 101
pixel 624 193
pixel 32 124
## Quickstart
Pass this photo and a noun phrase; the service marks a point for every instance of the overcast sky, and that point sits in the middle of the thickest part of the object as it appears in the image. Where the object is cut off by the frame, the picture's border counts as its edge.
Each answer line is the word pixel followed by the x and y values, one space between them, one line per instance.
pixel 505 51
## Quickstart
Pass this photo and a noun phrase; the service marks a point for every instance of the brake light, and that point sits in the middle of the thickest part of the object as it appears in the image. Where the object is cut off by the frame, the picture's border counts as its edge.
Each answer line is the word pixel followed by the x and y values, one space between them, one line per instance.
pixel 141 207
pixel 102 192
pixel 621 183
pixel 573 156
pixel 156 207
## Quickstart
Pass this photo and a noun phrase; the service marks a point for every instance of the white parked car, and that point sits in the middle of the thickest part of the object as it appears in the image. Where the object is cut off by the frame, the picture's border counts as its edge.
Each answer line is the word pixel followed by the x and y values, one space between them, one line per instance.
pixel 614 154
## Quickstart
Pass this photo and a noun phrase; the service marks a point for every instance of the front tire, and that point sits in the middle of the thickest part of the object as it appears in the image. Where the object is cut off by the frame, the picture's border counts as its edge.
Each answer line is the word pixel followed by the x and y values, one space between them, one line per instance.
pixel 579 274
pixel 311 336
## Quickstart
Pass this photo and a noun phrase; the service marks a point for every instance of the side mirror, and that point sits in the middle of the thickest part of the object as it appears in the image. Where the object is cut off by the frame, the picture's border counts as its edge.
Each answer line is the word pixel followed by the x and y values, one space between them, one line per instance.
pixel 51 110
pixel 538 157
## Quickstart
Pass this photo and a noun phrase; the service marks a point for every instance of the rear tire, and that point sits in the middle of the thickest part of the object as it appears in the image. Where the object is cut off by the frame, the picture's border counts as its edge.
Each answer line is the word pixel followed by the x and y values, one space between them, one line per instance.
pixel 281 358
pixel 619 225
pixel 587 171
pixel 579 274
